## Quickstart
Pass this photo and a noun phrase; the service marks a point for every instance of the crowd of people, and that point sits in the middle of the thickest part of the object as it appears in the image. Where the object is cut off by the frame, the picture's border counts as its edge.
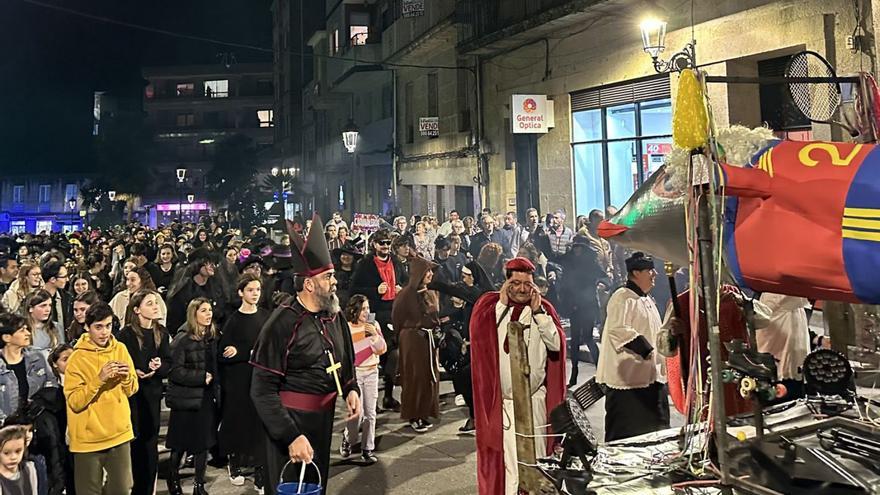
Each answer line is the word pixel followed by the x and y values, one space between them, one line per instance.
pixel 97 328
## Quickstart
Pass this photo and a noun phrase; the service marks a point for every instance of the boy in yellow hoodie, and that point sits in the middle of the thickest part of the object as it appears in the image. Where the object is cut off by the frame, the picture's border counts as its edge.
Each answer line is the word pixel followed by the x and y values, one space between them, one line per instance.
pixel 99 380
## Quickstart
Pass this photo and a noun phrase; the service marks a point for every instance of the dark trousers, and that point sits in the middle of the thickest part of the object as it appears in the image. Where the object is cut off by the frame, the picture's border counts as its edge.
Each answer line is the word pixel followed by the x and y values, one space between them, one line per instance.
pixel 145 446
pixel 582 324
pixel 463 385
pixel 318 428
pixel 636 411
pixel 389 360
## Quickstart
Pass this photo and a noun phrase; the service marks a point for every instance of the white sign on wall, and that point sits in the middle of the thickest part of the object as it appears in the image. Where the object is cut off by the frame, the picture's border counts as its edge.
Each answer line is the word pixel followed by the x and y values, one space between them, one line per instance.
pixel 412 8
pixel 529 114
pixel 429 126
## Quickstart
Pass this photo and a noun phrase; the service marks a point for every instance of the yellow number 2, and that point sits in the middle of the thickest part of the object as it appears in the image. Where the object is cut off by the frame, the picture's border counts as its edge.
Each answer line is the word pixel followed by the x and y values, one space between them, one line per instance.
pixel 833 152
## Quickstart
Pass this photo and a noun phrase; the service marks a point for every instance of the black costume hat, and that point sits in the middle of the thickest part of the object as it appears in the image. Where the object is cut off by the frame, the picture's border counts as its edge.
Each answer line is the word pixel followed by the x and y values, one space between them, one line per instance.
pixel 280 257
pixel 639 261
pixel 311 256
pixel 201 256
pixel 349 248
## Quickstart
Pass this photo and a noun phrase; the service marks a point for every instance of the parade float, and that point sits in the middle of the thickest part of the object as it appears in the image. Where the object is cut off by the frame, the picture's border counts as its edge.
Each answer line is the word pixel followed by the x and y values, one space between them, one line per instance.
pixel 743 211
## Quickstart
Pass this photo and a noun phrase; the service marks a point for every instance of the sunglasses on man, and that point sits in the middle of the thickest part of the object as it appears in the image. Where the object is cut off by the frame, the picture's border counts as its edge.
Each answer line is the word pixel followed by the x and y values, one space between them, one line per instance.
pixel 384 243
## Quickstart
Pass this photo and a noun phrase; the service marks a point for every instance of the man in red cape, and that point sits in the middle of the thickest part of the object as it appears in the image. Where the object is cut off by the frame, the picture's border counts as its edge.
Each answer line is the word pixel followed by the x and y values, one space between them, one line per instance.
pixel 490 368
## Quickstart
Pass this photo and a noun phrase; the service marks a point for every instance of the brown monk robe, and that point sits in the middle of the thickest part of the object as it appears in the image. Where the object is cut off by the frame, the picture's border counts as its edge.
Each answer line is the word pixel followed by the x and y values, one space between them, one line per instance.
pixel 415 316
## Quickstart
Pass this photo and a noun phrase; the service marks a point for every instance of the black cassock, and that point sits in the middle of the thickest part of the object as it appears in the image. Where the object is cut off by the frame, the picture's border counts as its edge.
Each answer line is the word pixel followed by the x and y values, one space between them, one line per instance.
pixel 291 389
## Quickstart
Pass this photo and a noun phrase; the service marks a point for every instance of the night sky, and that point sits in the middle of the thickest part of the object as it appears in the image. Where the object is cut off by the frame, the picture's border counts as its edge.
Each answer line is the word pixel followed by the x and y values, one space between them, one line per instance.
pixel 52 62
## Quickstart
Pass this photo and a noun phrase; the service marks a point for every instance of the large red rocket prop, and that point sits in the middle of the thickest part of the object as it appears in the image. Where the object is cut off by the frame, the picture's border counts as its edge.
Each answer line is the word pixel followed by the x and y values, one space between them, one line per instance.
pixel 803 219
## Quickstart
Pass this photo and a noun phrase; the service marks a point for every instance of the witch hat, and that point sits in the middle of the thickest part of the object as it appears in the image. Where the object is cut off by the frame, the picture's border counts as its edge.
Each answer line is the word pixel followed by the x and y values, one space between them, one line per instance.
pixel 311 256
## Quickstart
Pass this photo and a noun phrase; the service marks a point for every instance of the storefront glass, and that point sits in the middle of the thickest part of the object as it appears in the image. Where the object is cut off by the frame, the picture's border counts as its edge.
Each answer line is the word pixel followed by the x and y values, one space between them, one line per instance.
pixel 616 148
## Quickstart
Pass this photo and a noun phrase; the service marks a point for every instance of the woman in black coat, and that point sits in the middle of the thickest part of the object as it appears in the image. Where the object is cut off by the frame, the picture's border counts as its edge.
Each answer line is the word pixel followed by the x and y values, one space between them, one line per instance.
pixel 241 431
pixel 192 394
pixel 147 343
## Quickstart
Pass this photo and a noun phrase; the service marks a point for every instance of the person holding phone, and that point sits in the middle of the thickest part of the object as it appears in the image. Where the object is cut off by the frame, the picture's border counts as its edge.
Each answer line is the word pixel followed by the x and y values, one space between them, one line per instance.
pixel 98 382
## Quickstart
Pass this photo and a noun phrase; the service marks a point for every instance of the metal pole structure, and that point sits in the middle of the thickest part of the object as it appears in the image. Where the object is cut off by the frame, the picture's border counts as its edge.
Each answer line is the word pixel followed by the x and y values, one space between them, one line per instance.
pixel 482 181
pixel 709 283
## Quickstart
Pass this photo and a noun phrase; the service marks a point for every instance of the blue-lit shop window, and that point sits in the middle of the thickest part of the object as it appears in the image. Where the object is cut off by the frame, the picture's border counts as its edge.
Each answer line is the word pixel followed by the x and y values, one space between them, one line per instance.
pixel 615 148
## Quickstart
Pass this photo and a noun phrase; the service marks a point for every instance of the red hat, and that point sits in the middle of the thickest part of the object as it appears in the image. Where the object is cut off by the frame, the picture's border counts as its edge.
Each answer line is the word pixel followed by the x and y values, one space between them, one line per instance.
pixel 520 264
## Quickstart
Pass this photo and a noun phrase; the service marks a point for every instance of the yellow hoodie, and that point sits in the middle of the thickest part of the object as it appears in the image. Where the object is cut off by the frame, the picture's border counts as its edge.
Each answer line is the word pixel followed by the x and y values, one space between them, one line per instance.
pixel 98 415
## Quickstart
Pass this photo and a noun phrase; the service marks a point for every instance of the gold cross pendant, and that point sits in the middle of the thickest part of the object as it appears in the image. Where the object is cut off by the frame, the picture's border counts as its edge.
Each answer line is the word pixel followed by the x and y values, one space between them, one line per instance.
pixel 334 368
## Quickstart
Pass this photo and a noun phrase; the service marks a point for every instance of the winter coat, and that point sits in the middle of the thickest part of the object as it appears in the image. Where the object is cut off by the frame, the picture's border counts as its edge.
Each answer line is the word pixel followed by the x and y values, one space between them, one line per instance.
pixel 189 366
pixel 39 375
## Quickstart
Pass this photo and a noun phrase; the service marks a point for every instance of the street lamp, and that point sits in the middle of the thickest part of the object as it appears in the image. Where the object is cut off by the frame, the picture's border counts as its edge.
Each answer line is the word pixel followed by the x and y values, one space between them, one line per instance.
pixel 181 178
pixel 350 135
pixel 71 203
pixel 190 198
pixel 111 195
pixel 654 43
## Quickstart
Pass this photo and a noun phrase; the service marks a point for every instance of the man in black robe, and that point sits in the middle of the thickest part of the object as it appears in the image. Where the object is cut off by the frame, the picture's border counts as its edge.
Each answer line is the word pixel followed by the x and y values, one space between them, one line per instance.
pixel 303 360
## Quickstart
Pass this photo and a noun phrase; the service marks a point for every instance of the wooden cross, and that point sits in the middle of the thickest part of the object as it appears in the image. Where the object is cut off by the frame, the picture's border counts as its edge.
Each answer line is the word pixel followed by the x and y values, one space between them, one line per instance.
pixel 334 368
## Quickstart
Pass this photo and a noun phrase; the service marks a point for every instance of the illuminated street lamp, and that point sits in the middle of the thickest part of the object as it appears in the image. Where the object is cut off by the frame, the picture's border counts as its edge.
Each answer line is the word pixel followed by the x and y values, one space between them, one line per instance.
pixel 181 175
pixel 111 195
pixel 654 43
pixel 350 136
pixel 71 203
pixel 190 198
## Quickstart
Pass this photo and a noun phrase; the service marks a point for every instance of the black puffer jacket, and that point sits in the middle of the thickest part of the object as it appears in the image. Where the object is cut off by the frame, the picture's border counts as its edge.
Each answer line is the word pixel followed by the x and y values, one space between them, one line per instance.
pixel 190 361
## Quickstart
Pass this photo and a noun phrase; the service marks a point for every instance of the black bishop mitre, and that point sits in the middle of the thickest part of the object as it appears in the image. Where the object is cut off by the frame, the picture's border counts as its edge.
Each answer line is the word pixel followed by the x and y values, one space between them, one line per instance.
pixel 311 256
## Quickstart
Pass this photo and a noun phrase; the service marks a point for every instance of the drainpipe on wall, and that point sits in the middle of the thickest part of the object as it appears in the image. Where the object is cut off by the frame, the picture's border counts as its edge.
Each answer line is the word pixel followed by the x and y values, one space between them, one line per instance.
pixel 395 205
pixel 482 177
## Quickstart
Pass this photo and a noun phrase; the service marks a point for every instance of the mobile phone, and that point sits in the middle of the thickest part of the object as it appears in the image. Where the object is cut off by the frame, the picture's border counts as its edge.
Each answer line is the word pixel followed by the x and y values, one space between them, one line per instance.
pixel 371 318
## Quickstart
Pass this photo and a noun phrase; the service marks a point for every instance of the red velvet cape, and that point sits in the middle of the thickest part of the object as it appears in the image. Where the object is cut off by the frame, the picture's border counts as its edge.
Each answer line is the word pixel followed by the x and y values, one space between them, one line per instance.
pixel 487 390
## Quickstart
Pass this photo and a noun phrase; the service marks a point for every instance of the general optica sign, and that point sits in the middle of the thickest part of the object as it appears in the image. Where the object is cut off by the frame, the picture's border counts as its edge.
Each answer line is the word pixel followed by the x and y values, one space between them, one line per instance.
pixel 529 114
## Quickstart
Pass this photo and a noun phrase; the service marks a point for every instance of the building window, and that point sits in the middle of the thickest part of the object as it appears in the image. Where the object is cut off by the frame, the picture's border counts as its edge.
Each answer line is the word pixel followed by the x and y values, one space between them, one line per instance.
pixel 44 226
pixel 265 87
pixel 433 96
pixel 45 193
pixel 186 120
pixel 17 227
pixel 358 28
pixel 150 92
pixel 70 192
pixel 334 42
pixel 778 110
pixel 615 148
pixel 17 194
pixel 185 89
pixel 265 118
pixel 217 89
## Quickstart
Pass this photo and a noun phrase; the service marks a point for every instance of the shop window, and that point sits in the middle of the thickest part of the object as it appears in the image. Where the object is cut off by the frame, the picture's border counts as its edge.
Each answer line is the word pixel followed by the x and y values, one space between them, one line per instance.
pixel 615 148
pixel 44 226
pixel 17 227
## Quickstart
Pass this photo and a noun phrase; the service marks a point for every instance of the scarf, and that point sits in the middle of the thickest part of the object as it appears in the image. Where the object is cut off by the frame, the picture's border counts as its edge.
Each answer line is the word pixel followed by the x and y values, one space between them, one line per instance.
pixel 386 273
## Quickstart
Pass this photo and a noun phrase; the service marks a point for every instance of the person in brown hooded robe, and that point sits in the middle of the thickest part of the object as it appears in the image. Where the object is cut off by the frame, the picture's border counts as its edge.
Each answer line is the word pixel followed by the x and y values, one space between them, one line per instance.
pixel 415 316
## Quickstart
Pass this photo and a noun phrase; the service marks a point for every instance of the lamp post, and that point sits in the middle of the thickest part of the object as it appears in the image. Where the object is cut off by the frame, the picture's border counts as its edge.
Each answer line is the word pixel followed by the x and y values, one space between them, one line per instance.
pixel 181 178
pixel 285 173
pixel 654 42
pixel 350 134
pixel 71 203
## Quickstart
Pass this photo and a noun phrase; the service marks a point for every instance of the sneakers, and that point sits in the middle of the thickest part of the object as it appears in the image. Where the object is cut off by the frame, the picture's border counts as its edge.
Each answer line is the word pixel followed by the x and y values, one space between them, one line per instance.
pixel 235 476
pixel 459 400
pixel 467 428
pixel 427 423
pixel 418 426
pixel 344 447
pixel 368 457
